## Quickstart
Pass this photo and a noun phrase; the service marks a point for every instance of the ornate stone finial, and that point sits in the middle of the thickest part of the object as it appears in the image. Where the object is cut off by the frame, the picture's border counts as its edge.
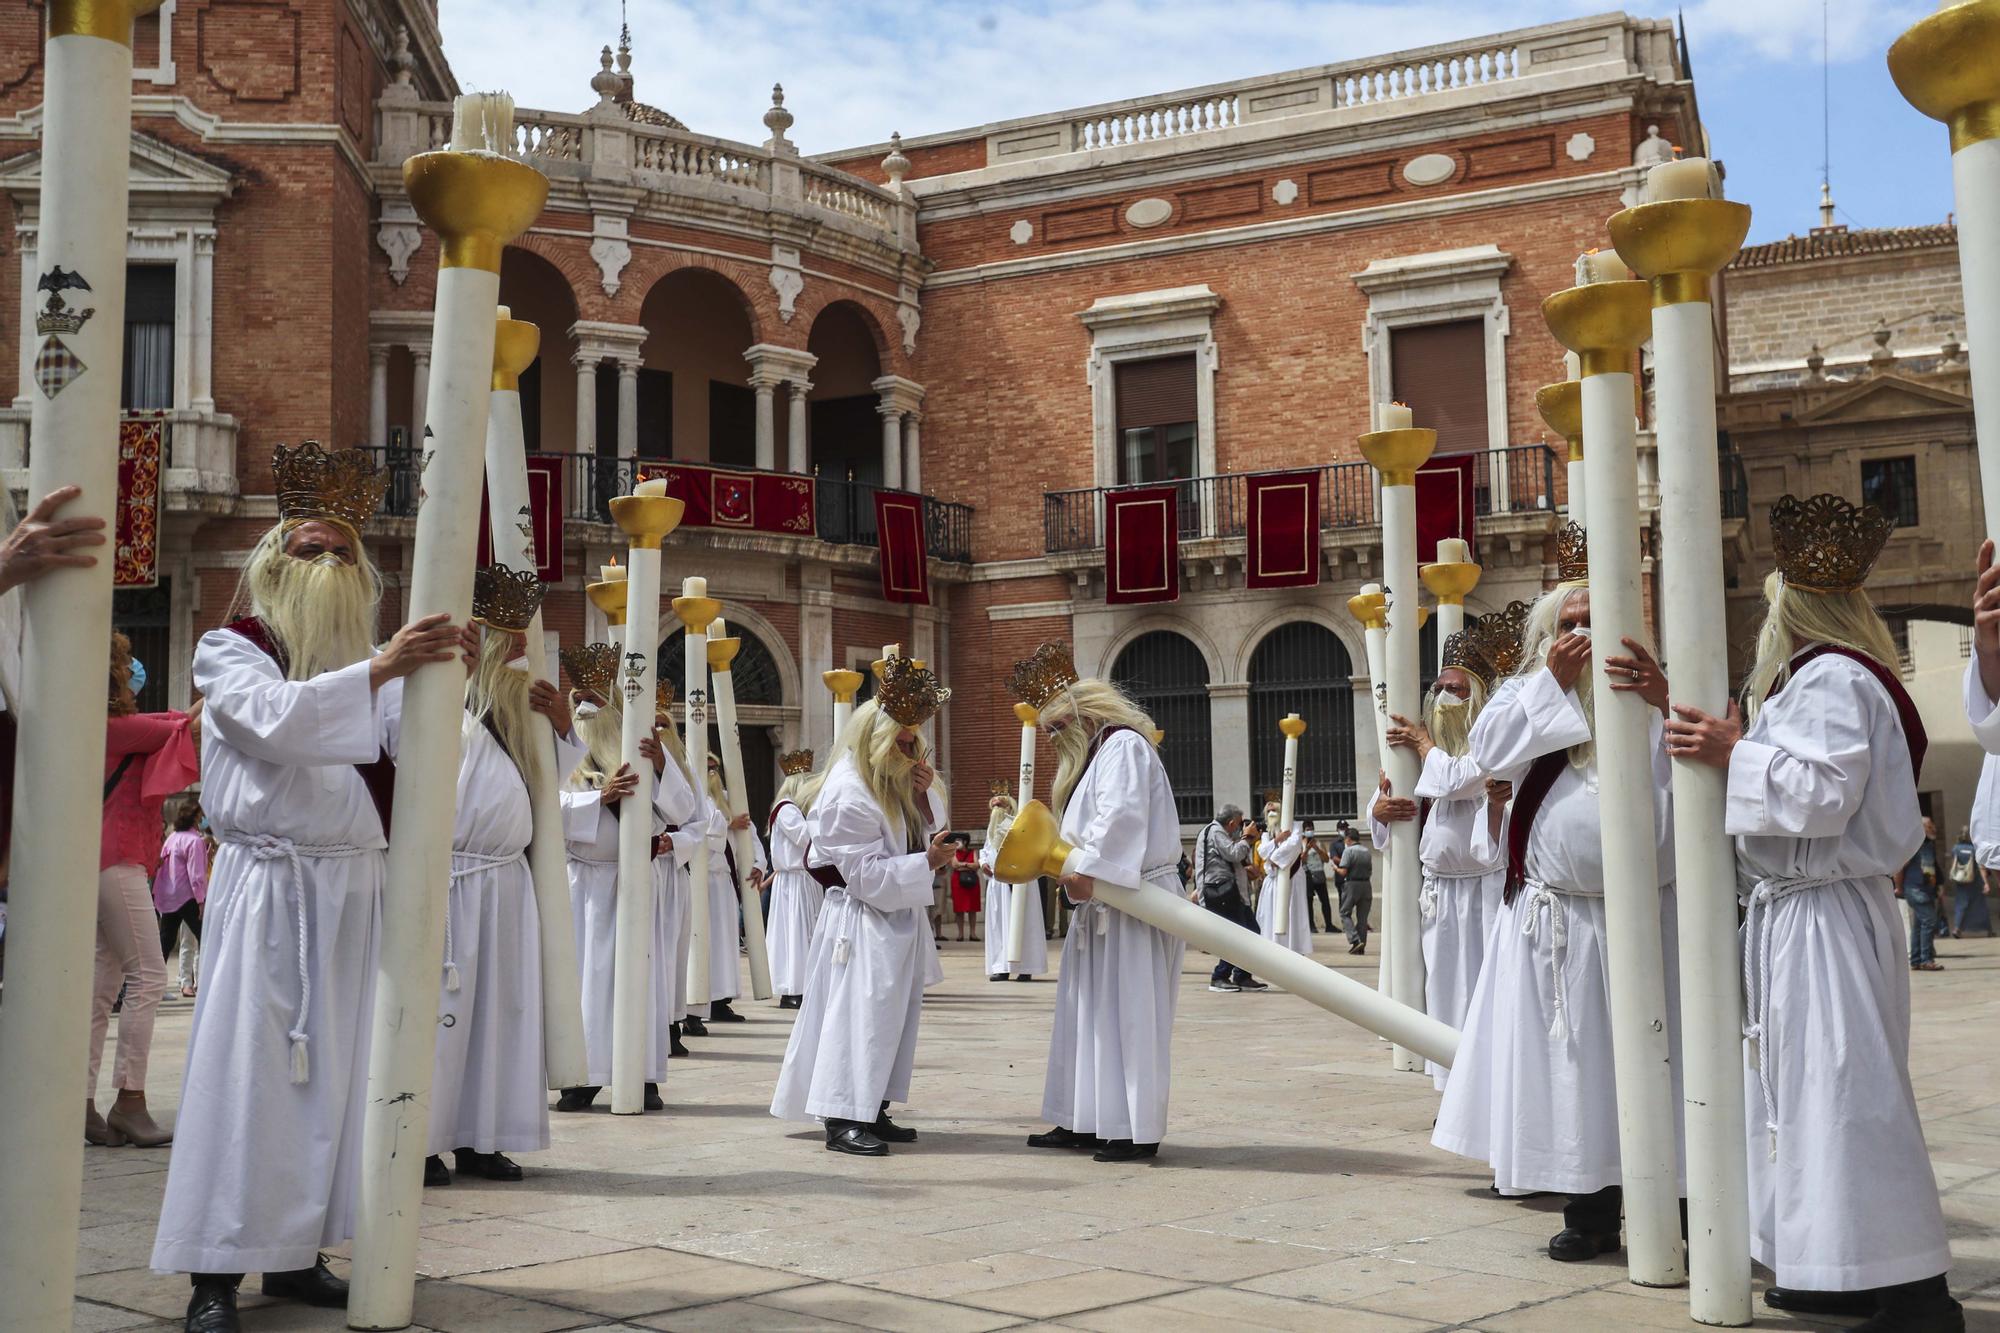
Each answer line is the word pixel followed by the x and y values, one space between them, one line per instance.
pixel 604 83
pixel 1950 348
pixel 400 59
pixel 1815 364
pixel 896 166
pixel 1653 150
pixel 777 119
pixel 1881 356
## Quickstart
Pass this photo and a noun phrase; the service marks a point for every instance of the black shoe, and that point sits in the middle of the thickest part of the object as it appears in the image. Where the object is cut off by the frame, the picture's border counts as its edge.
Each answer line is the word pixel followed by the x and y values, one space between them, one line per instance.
pixel 720 1012
pixel 1798 1300
pixel 1024 977
pixel 212 1306
pixel 790 1001
pixel 1124 1150
pixel 653 1100
pixel 693 1027
pixel 1221 986
pixel 889 1131
pixel 434 1174
pixel 996 976
pixel 1570 1246
pixel 488 1165
pixel 1915 1307
pixel 854 1138
pixel 1251 983
pixel 576 1099
pixel 1064 1138
pixel 675 1045
pixel 314 1286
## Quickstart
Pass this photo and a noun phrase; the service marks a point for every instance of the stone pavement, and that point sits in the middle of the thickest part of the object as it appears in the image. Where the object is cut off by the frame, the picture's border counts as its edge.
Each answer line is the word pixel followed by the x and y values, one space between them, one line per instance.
pixel 1296 1190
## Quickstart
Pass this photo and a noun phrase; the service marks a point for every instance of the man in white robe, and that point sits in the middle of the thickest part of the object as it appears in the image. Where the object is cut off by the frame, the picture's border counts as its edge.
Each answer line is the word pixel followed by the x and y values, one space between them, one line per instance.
pixel 879 837
pixel 1532 1093
pixel 298 742
pixel 998 904
pixel 1111 1045
pixel 1283 853
pixel 1823 802
pixel 796 897
pixel 725 902
pixel 489 1078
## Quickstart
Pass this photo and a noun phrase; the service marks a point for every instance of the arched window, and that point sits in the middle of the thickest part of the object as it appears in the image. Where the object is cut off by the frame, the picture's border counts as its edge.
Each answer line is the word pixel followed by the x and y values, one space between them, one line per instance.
pixel 1166 675
pixel 1302 668
pixel 755 676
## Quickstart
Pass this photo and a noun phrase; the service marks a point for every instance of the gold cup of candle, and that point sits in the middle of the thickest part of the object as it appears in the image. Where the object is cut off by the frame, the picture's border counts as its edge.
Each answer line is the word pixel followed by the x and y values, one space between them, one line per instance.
pixel 1397 454
pixel 608 597
pixel 845 684
pixel 110 19
pixel 1561 406
pixel 1602 322
pixel 1450 582
pixel 1026 715
pixel 1948 67
pixel 694 613
pixel 1292 726
pixel 515 345
pixel 647 515
pixel 1678 245
pixel 721 652
pixel 1033 846
pixel 475 202
pixel 1367 607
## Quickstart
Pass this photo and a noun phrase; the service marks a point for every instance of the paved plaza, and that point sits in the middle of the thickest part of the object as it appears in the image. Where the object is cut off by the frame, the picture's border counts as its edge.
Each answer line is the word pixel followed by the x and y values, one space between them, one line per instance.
pixel 1296 1190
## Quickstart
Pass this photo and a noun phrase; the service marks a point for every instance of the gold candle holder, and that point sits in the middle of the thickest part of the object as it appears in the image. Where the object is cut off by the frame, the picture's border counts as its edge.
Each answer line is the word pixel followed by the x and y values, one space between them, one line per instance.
pixel 475 202
pixel 1292 727
pixel 1679 245
pixel 1604 323
pixel 1369 609
pixel 1033 846
pixel 608 597
pixel 721 652
pixel 1450 582
pixel 1397 454
pixel 694 613
pixel 110 19
pixel 1026 715
pixel 1561 406
pixel 1948 67
pixel 646 519
pixel 843 683
pixel 516 343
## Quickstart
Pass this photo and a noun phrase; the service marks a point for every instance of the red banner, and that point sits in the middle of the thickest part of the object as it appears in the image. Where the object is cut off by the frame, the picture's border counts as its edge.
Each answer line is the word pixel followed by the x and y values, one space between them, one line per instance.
pixel 1445 503
pixel 136 530
pixel 899 537
pixel 777 502
pixel 1283 530
pixel 1142 545
pixel 545 513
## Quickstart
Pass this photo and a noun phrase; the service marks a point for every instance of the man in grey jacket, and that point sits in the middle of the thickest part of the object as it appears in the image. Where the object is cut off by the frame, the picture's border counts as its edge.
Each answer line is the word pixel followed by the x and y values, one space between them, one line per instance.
pixel 1221 867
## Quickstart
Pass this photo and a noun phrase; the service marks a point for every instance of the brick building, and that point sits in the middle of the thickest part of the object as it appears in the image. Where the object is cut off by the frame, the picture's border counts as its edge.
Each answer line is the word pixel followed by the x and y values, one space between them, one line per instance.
pixel 1008 318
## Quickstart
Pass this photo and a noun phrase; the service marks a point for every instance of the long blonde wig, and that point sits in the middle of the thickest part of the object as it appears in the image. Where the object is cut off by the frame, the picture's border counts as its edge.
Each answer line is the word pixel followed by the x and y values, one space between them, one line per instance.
pixel 497 693
pixel 1538 635
pixel 869 738
pixel 1449 720
pixel 603 737
pixel 1087 708
pixel 322 615
pixel 1795 618
pixel 1000 817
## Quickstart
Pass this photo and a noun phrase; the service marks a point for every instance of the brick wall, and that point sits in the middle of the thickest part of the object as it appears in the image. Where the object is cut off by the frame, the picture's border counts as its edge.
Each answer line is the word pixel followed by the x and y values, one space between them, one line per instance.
pixel 1779 312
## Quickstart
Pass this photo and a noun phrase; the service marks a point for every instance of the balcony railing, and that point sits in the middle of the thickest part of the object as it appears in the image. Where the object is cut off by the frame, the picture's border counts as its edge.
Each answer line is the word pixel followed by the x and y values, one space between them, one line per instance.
pixel 844 511
pixel 1735 486
pixel 1517 479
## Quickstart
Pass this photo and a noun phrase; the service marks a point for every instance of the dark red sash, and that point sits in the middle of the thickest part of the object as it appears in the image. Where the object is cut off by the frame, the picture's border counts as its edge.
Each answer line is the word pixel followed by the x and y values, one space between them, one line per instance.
pixel 380 776
pixel 830 878
pixel 1906 710
pixel 1529 794
pixel 771 820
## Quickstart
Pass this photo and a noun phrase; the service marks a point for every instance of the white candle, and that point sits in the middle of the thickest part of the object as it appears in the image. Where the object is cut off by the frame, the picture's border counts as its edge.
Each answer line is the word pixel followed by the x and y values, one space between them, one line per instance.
pixel 482 123
pixel 718 628
pixel 1600 266
pixel 1394 416
pixel 1370 589
pixel 503 312
pixel 1572 366
pixel 890 650
pixel 655 488
pixel 1683 178
pixel 1453 551
pixel 694 586
pixel 611 573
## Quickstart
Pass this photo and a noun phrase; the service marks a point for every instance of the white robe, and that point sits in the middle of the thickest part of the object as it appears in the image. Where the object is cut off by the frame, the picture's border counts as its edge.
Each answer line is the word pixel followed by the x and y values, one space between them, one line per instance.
pixel 590 832
pixel 725 908
pixel 264 1168
pixel 1461 894
pixel 1111 1045
pixel 999 905
pixel 1279 860
pixel 1533 1093
pixel 855 1038
pixel 692 833
pixel 489 1081
pixel 1823 804
pixel 796 898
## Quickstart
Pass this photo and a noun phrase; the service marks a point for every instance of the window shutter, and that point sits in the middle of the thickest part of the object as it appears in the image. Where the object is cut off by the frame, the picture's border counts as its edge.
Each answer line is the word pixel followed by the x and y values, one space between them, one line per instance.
pixel 1159 392
pixel 1440 371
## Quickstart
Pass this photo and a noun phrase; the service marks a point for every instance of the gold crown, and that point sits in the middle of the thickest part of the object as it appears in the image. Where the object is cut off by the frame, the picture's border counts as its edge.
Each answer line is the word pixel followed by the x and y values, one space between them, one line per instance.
pixel 1572 554
pixel 795 762
pixel 505 599
pixel 342 487
pixel 663 696
pixel 1459 652
pixel 909 692
pixel 1496 638
pixel 592 668
pixel 1001 787
pixel 1037 681
pixel 1825 544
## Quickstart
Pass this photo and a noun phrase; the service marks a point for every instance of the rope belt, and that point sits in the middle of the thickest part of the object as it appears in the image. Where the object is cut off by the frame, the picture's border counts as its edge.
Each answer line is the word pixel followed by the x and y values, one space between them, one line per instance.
pixel 270 847
pixel 1536 898
pixel 462 865
pixel 1757 978
pixel 1094 918
pixel 1431 895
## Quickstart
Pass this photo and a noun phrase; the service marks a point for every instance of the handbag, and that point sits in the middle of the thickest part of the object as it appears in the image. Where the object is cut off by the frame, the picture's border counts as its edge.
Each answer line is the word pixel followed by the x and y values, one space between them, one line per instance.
pixel 1962 871
pixel 967 878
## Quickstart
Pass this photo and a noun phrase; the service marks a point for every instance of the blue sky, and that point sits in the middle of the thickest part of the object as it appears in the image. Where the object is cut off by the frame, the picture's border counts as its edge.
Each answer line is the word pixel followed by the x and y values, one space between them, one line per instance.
pixel 855 69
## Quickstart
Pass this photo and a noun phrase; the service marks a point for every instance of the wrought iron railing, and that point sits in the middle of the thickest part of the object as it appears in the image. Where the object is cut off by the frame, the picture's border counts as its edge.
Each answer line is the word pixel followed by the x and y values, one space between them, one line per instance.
pixel 1517 479
pixel 1735 486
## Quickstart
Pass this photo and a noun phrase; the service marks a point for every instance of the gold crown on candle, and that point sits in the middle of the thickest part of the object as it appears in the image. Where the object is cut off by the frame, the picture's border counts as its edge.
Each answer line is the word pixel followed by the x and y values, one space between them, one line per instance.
pixel 1572 554
pixel 342 486
pixel 592 668
pixel 1459 652
pixel 794 762
pixel 1495 638
pixel 506 599
pixel 909 692
pixel 1037 681
pixel 1825 544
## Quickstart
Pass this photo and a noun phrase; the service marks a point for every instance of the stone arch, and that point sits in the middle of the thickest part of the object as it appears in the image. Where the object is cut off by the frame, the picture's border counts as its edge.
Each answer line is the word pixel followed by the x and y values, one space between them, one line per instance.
pixel 822 296
pixel 1186 628
pixel 1286 676
pixel 652 265
pixel 572 260
pixel 1344 627
pixel 539 286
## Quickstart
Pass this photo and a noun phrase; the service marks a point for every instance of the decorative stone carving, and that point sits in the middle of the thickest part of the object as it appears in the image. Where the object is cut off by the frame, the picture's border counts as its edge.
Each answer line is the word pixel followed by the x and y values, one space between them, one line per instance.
pixel 1285 192
pixel 896 166
pixel 911 319
pixel 1653 150
pixel 1580 147
pixel 612 255
pixel 1149 212
pixel 777 120
pixel 1021 232
pixel 1430 169
pixel 786 280
pixel 399 236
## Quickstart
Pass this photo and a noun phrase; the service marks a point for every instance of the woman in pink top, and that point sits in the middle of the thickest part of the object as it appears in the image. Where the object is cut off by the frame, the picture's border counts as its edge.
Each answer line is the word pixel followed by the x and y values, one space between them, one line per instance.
pixel 181 888
pixel 147 758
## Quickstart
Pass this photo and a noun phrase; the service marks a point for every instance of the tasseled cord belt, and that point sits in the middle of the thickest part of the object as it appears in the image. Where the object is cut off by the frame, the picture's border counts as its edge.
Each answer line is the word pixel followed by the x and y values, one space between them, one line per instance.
pixel 462 865
pixel 269 847
pixel 1757 980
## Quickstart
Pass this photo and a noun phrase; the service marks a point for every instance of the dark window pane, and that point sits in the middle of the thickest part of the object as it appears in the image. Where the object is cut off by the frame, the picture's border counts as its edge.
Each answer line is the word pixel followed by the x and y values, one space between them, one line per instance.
pixel 1303 668
pixel 1891 485
pixel 732 425
pixel 1440 371
pixel 656 414
pixel 148 379
pixel 1165 675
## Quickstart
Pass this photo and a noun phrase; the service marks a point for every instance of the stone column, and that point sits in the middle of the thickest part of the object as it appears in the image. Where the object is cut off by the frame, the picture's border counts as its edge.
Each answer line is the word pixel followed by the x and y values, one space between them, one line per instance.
pixel 201 376
pixel 420 391
pixel 892 446
pixel 912 441
pixel 799 450
pixel 378 395
pixel 1229 724
pixel 628 407
pixel 586 402
pixel 765 387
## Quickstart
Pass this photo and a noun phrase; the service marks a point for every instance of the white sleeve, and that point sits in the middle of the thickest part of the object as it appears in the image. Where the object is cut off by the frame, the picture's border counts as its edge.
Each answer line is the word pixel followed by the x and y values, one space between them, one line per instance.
pixel 1521 725
pixel 1805 776
pixel 1981 711
pixel 673 799
pixel 1112 846
pixel 581 812
pixel 334 718
pixel 1447 779
pixel 847 834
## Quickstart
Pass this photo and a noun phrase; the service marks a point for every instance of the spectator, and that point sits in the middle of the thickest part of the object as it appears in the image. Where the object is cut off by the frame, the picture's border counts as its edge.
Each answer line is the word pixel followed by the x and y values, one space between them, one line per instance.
pixel 1357 895
pixel 181 889
pixel 1920 893
pixel 964 873
pixel 1221 862
pixel 1316 859
pixel 148 757
pixel 1968 889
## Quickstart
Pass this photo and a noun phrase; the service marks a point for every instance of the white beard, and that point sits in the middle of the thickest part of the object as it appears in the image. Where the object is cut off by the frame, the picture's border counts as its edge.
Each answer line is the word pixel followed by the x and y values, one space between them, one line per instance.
pixel 1450 724
pixel 323 616
pixel 499 691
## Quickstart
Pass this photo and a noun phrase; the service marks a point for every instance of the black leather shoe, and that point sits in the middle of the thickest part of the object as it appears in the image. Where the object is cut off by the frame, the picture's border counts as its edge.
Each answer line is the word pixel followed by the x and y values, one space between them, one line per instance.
pixel 789 1001
pixel 1915 1307
pixel 576 1099
pixel 889 1131
pixel 675 1045
pixel 435 1173
pixel 719 1011
pixel 1065 1138
pixel 1798 1300
pixel 212 1306
pixel 996 976
pixel 854 1138
pixel 314 1286
pixel 1570 1246
pixel 1024 977
pixel 654 1102
pixel 488 1165
pixel 693 1027
pixel 1124 1150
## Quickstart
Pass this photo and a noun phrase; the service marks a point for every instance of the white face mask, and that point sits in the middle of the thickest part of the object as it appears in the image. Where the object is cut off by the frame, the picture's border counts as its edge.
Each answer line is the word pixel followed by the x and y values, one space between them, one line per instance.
pixel 1581 631
pixel 328 560
pixel 584 711
pixel 519 664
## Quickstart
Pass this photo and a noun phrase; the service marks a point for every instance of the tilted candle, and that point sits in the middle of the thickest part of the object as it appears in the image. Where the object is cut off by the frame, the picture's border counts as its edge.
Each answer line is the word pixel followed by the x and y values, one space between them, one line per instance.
pixel 718 628
pixel 656 487
pixel 1454 551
